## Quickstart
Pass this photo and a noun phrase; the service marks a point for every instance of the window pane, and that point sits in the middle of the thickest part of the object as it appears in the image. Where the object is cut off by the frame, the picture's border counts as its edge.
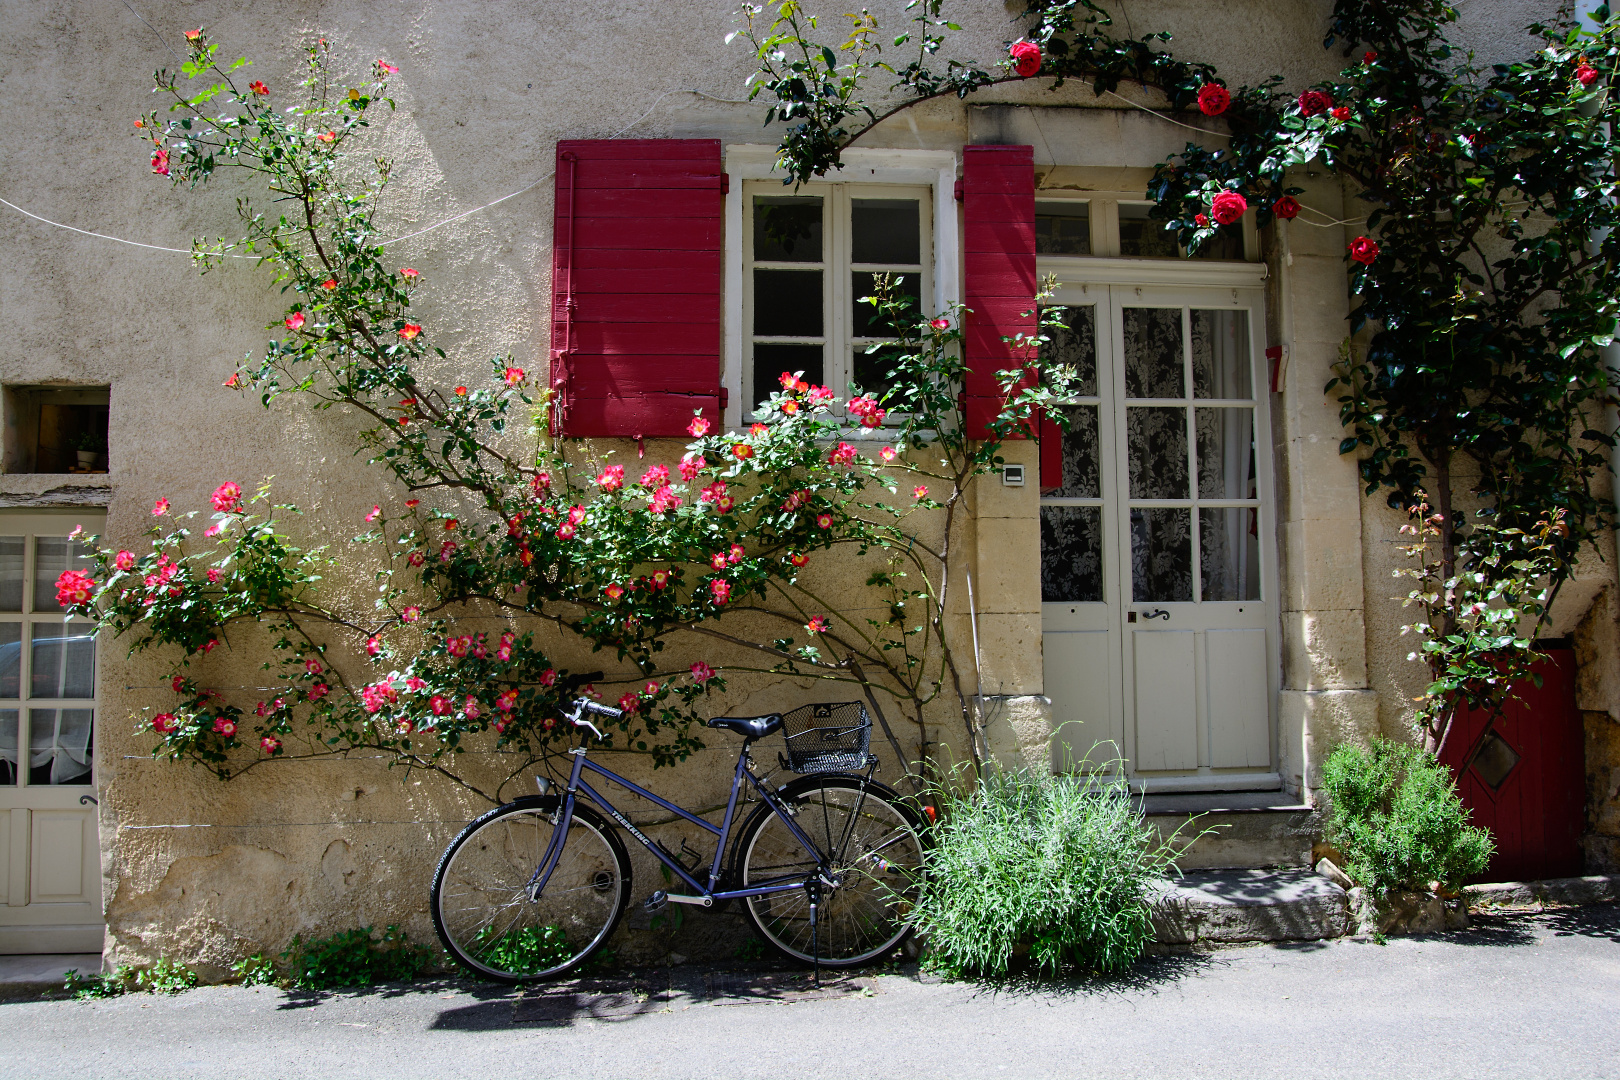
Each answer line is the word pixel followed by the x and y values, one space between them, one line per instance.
pixel 1156 442
pixel 11 573
pixel 1071 554
pixel 787 228
pixel 64 663
pixel 1161 555
pixel 868 320
pixel 1062 228
pixel 54 556
pixel 1225 453
pixel 770 360
pixel 1142 237
pixel 1229 547
pixel 1227 243
pixel 59 746
pixel 887 231
pixel 871 371
pixel 1220 354
pixel 1080 470
pixel 8 747
pixel 787 303
pixel 1153 353
pixel 1075 344
pixel 10 659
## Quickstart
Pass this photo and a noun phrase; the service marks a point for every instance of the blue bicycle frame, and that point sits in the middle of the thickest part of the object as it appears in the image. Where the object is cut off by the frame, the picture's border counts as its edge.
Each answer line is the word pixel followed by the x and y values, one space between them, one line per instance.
pixel 705 892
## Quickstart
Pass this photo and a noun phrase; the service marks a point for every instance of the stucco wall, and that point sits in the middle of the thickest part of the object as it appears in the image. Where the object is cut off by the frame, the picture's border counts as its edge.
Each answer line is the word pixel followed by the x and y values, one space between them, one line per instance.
pixel 484 92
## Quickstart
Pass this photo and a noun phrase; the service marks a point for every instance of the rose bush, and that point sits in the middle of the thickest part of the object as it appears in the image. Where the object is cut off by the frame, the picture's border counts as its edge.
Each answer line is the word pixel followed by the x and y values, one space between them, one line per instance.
pixel 514 551
pixel 1488 278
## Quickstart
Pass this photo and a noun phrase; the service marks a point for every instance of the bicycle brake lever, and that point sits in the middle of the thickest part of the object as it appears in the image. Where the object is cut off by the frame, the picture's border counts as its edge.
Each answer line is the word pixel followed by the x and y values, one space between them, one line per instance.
pixel 586 723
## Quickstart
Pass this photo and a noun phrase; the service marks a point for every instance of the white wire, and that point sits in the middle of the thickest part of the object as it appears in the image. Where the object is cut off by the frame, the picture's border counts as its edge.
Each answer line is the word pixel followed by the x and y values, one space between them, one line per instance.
pixel 397 239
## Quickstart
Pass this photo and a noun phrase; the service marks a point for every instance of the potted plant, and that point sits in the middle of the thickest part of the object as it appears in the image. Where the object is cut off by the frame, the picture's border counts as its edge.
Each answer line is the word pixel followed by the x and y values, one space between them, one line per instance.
pixel 88 446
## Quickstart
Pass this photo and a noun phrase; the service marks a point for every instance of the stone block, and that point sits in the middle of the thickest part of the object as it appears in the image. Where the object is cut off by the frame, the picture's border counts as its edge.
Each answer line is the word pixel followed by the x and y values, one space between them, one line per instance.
pixel 1227 906
pixel 1401 913
pixel 1321 561
pixel 1553 892
pixel 1017 728
pixel 993 499
pixel 1312 723
pixel 1240 839
pixel 1009 652
pixel 1006 575
pixel 1324 649
pixel 1329 869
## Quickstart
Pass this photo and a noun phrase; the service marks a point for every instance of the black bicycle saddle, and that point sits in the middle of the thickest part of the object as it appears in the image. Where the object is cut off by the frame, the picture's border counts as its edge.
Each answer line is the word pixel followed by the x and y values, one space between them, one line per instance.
pixel 749 727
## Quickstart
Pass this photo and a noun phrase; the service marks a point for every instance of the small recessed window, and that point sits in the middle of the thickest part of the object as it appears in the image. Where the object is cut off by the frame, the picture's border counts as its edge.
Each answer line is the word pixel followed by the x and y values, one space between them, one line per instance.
pixel 50 429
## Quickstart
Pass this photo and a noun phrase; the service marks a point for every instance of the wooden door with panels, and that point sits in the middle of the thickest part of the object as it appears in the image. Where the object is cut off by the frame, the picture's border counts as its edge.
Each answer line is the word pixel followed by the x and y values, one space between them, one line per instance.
pixel 1158 567
pixel 50 876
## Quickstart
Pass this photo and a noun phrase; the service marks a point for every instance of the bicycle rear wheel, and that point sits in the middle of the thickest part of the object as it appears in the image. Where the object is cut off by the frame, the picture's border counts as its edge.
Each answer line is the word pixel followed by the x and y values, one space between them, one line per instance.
pixel 480 900
pixel 873 844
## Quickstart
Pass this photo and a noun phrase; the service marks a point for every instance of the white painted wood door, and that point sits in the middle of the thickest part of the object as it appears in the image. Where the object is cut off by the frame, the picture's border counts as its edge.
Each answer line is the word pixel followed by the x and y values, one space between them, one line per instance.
pixel 50 865
pixel 1158 579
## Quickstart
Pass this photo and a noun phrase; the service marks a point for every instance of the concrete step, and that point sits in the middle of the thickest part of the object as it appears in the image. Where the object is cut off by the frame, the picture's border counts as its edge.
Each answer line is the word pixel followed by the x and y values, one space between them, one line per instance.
pixel 1240 830
pixel 30 975
pixel 1215 907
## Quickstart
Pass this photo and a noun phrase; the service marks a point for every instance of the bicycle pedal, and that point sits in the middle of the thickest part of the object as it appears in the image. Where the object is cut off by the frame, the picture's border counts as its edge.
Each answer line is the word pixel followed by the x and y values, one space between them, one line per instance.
pixel 657 902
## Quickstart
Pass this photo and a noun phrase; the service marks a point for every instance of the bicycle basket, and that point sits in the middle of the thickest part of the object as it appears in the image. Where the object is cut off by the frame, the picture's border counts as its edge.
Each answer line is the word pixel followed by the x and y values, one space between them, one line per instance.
pixel 831 737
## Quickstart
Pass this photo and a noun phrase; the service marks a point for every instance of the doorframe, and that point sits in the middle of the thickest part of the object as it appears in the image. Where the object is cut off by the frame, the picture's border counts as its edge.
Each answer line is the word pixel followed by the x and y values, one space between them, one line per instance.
pixel 1246 280
pixel 26 925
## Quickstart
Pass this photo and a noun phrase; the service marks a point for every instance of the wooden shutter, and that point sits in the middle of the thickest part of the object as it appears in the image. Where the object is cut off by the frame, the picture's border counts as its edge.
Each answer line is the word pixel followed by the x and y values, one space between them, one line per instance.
pixel 635 293
pixel 998 211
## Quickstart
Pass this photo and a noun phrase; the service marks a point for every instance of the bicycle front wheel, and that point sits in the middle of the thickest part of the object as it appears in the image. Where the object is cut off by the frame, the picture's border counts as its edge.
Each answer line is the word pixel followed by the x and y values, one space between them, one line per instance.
pixel 873 846
pixel 481 904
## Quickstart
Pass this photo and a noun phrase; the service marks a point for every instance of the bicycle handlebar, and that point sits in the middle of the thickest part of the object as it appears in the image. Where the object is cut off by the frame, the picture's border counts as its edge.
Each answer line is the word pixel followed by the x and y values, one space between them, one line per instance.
pixel 585 705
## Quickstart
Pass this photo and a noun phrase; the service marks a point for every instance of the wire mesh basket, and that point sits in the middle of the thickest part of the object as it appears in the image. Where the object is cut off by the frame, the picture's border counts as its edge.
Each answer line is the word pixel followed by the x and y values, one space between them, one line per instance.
pixel 829 737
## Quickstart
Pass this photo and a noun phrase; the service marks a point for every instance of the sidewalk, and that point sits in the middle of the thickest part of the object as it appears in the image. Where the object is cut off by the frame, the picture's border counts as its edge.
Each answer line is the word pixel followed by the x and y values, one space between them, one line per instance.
pixel 1521 995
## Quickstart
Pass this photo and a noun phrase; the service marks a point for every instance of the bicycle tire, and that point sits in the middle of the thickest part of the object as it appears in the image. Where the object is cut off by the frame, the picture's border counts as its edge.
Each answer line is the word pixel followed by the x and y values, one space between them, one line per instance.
pixel 865 918
pixel 480 903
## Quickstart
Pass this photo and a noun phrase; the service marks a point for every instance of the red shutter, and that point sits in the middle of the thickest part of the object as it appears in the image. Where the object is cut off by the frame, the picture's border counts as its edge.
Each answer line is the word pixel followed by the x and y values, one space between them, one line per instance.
pixel 998 211
pixel 635 286
pixel 1051 437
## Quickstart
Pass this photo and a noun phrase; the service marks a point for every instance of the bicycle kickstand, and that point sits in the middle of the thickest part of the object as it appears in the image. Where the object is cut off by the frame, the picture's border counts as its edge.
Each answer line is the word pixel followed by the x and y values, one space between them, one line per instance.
pixel 814 890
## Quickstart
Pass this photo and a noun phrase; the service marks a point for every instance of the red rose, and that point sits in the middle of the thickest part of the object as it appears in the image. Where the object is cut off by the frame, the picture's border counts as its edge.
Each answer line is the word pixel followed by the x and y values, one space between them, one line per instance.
pixel 1285 207
pixel 1586 74
pixel 1213 99
pixel 1227 207
pixel 1202 221
pixel 1368 57
pixel 1363 250
pixel 1026 58
pixel 1341 113
pixel 1312 102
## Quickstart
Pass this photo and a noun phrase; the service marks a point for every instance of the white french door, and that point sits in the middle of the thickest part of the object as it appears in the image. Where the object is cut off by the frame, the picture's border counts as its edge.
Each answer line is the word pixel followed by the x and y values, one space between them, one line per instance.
pixel 1157 561
pixel 50 864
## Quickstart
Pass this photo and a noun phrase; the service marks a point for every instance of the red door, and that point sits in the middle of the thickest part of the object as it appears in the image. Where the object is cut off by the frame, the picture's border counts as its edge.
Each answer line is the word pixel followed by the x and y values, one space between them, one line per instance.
pixel 1525 779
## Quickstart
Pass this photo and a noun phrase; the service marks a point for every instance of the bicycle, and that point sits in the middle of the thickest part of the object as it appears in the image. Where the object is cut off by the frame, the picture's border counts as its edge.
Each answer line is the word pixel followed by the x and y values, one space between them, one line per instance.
pixel 826 866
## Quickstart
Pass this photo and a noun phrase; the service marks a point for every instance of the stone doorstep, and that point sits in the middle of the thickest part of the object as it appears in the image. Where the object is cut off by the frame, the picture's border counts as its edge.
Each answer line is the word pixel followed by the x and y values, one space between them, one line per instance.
pixel 1217 907
pixel 31 975
pixel 1553 892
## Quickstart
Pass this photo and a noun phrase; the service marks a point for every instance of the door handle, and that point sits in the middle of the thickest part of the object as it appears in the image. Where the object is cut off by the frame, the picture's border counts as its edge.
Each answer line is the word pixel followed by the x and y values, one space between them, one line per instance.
pixel 1158 613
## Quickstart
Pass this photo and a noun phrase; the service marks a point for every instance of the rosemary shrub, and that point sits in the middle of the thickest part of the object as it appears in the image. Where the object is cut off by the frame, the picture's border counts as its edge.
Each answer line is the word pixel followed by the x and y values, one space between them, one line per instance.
pixel 1063 865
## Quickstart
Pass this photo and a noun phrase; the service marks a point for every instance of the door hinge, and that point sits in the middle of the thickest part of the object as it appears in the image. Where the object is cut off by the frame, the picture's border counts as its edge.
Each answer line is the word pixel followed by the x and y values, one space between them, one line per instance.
pixel 725 183
pixel 958 191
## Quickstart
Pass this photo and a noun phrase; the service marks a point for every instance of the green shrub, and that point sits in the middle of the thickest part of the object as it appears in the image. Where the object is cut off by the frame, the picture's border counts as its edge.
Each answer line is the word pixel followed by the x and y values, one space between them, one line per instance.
pixel 164 977
pixel 354 958
pixel 1395 814
pixel 255 970
pixel 1061 864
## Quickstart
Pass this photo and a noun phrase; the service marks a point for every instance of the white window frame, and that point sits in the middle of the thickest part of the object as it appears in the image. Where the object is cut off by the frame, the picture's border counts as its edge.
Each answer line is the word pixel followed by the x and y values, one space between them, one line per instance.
pixel 1103 212
pixel 929 172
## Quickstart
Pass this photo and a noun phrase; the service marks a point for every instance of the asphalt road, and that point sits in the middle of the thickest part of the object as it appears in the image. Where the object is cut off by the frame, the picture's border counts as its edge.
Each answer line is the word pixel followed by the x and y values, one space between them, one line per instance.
pixel 1519 996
